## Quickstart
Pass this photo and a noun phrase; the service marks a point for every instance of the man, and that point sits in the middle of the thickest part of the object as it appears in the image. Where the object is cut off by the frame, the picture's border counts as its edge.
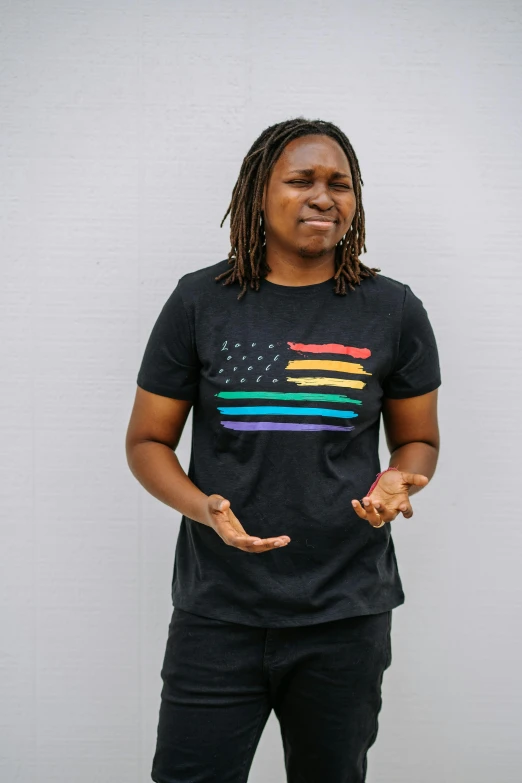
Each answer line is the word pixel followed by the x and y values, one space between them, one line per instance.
pixel 285 575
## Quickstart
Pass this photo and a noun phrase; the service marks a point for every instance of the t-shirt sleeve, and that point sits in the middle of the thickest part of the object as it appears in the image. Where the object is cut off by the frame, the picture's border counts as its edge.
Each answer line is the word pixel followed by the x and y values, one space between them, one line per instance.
pixel 416 368
pixel 170 364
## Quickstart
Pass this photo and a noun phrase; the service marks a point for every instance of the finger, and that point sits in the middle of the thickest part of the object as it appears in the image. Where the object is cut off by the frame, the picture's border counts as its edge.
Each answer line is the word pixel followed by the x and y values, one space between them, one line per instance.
pixel 230 529
pixel 367 511
pixel 373 515
pixel 274 541
pixel 236 524
pixel 237 539
pixel 406 509
pixel 359 510
pixel 363 512
pixel 264 544
pixel 383 510
pixel 417 479
pixel 234 534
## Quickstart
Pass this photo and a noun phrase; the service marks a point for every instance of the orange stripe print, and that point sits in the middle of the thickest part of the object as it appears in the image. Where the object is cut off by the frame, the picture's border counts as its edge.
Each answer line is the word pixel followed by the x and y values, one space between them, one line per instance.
pixel 320 364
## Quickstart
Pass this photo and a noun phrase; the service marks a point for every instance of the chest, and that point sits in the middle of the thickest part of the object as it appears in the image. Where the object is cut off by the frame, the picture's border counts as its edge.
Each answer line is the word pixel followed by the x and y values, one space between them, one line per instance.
pixel 293 368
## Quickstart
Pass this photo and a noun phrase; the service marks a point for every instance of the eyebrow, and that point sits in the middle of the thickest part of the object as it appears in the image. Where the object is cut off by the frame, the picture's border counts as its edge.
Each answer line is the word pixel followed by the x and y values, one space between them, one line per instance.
pixel 309 172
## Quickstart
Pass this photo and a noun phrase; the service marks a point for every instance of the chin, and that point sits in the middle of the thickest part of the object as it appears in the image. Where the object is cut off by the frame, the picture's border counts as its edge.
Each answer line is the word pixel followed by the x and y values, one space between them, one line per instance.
pixel 308 251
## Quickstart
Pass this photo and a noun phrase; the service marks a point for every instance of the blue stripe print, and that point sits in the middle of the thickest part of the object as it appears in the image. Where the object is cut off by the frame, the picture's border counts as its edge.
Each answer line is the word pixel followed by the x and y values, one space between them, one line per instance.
pixel 294 410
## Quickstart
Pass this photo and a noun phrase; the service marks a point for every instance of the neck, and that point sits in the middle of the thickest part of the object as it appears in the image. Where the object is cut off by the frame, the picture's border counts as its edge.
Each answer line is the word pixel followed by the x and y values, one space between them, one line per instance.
pixel 295 270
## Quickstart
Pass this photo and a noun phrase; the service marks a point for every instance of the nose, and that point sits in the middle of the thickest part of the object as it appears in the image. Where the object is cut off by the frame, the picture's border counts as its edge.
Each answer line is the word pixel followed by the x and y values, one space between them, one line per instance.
pixel 321 197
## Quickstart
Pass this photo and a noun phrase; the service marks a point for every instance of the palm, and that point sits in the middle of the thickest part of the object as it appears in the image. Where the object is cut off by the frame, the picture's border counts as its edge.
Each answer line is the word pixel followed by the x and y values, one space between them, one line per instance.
pixel 225 523
pixel 390 492
pixel 389 497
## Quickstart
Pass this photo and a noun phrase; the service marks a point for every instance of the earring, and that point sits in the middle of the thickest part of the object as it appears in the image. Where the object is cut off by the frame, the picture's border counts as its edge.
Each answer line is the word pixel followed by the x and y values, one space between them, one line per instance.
pixel 261 226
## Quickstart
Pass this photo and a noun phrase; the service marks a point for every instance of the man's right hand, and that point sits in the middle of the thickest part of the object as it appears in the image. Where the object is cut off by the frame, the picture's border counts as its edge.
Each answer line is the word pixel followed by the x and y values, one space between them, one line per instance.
pixel 223 520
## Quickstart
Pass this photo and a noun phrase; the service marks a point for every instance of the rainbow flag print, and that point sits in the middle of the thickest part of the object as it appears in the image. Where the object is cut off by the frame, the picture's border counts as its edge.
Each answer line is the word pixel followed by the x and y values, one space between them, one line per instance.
pixel 299 366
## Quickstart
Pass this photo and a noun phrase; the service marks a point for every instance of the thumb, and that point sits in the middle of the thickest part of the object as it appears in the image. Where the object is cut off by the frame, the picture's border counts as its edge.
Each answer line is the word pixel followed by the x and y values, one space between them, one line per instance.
pixel 416 479
pixel 219 503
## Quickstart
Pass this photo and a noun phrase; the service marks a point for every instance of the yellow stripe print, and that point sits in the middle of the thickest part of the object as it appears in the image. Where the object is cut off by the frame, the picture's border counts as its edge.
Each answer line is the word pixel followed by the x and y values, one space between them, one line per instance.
pixel 346 382
pixel 320 364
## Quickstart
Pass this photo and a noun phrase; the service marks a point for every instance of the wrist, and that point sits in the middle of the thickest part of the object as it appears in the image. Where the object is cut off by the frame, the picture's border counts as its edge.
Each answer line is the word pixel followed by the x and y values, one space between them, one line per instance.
pixel 204 513
pixel 197 508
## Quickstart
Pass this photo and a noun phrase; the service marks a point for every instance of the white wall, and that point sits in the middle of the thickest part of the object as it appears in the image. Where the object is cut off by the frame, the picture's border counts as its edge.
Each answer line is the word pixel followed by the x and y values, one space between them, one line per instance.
pixel 123 127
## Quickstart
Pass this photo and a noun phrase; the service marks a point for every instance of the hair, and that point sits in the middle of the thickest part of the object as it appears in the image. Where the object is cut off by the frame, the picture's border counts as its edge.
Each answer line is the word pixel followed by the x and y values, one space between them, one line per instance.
pixel 247 255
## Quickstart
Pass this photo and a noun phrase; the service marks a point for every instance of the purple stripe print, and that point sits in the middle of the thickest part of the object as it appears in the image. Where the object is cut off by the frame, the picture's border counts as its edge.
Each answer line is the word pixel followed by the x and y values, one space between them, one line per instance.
pixel 278 425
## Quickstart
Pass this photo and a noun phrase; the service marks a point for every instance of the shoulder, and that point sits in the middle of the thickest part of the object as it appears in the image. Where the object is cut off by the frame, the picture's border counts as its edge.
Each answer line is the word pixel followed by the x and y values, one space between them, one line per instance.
pixel 193 284
pixel 384 291
pixel 388 290
pixel 385 283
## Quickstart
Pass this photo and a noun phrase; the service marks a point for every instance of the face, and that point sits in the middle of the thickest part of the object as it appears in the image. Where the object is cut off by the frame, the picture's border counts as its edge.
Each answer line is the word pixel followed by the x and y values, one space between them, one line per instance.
pixel 308 201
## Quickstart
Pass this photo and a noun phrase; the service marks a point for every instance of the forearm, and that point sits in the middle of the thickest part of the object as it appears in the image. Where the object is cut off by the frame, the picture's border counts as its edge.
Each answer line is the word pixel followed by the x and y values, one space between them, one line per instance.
pixel 157 468
pixel 415 457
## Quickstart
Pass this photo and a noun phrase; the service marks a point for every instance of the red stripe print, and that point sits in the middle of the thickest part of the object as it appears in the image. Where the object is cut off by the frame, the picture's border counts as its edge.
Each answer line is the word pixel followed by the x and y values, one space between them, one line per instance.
pixel 357 353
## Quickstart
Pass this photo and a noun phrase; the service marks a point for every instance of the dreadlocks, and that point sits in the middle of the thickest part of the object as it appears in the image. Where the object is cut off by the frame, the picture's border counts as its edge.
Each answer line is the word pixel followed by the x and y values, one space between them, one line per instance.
pixel 247 255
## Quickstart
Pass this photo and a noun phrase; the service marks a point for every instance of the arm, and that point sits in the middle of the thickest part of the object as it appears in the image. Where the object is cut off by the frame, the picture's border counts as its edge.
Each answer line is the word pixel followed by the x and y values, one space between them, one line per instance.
pixel 153 434
pixel 412 435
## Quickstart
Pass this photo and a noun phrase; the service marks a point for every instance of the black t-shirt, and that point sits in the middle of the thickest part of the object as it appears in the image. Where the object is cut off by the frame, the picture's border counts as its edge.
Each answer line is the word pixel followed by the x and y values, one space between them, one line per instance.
pixel 287 386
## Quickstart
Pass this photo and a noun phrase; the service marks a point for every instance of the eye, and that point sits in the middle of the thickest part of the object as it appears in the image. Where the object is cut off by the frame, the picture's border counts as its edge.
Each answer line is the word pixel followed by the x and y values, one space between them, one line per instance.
pixel 341 185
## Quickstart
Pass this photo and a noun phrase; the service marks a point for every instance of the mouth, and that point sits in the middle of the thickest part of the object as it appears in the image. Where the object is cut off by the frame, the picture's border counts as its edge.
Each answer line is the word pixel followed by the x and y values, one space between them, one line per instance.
pixel 323 224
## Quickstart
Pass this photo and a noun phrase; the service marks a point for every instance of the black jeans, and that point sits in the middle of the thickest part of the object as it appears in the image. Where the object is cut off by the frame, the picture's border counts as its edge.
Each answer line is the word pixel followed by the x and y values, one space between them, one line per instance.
pixel 221 681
